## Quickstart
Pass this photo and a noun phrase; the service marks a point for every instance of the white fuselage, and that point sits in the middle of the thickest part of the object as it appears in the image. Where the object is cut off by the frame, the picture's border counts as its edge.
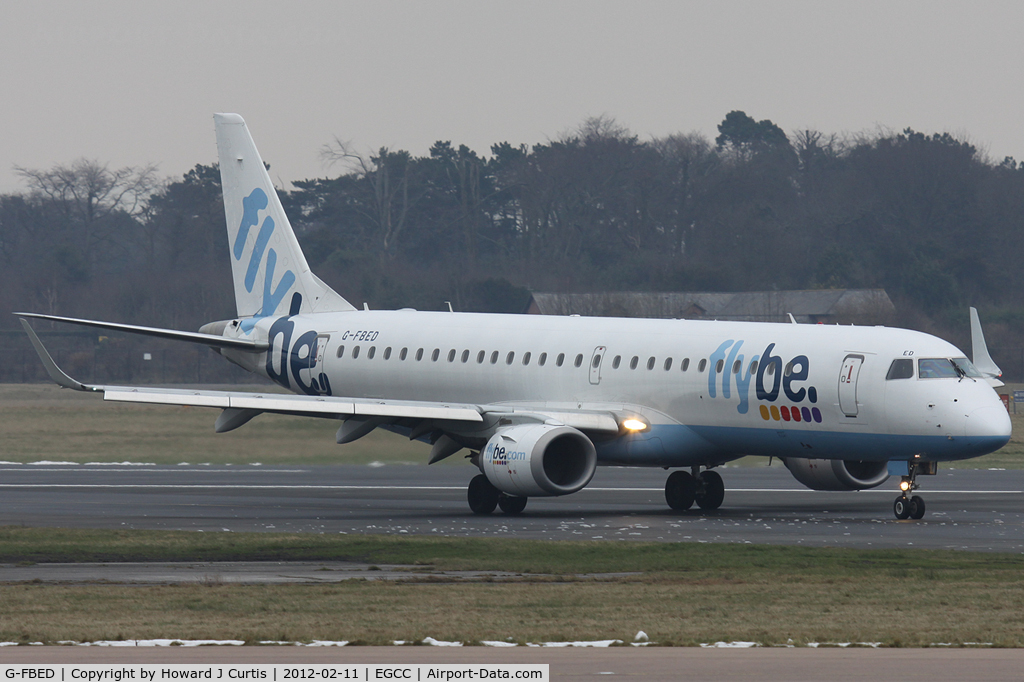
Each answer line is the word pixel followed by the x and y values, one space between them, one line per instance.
pixel 815 391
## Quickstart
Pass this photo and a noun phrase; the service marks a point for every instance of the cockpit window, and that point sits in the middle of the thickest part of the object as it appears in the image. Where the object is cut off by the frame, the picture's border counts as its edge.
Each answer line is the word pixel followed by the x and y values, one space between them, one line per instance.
pixel 946 368
pixel 902 368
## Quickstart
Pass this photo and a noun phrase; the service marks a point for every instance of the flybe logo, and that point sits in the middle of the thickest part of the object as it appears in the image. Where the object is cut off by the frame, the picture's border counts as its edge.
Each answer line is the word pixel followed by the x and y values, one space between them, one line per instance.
pixel 272 296
pixel 499 456
pixel 775 381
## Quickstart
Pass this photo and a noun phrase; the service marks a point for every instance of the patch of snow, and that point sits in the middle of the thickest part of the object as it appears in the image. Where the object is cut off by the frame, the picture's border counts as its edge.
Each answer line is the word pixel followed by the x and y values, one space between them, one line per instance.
pixel 375 465
pixel 430 641
pixel 497 643
pixel 46 462
pixel 120 464
pixel 160 642
pixel 601 643
pixel 733 645
pixel 641 637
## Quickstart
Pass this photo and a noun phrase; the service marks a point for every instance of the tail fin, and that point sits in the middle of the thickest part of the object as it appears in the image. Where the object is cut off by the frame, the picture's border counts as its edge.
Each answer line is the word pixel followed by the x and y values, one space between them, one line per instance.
pixel 270 273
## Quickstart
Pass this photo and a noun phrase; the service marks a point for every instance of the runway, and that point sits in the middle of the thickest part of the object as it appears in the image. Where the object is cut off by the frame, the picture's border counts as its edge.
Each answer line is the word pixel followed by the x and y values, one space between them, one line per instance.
pixel 967 509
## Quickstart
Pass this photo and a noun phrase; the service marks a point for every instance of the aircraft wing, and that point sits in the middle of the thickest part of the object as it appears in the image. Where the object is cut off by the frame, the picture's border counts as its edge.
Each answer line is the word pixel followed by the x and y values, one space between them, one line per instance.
pixel 173 334
pixel 361 415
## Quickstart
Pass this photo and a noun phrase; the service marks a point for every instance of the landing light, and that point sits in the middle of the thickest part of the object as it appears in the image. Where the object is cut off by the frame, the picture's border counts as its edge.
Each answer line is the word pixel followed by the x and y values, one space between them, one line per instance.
pixel 904 485
pixel 632 424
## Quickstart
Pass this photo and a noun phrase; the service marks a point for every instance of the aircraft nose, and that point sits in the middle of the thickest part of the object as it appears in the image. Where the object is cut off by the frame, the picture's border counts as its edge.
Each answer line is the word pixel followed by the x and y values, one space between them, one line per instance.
pixel 988 422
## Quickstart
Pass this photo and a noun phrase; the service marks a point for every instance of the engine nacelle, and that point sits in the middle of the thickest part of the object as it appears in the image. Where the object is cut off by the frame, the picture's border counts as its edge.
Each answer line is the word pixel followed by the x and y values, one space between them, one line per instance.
pixel 539 460
pixel 837 474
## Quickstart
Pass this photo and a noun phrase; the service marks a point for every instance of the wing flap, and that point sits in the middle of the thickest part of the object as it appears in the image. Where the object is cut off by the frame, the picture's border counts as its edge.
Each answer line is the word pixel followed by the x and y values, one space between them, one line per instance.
pixel 294 404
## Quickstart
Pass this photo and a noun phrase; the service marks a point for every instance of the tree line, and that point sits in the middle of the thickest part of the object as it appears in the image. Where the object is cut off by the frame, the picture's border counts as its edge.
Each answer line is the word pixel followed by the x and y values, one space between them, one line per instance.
pixel 928 217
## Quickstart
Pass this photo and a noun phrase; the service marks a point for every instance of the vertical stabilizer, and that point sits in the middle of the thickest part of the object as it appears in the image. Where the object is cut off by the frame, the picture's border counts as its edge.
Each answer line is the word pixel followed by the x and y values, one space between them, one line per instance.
pixel 982 360
pixel 270 273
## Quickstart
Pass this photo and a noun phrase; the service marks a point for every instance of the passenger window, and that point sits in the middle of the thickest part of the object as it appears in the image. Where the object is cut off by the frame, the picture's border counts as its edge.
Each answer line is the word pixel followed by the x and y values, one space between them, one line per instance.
pixel 465 356
pixel 419 354
pixel 615 361
pixel 596 362
pixel 387 353
pixel 650 363
pixel 435 355
pixel 719 366
pixel 341 351
pixel 789 369
pixel 370 353
pixel 634 362
pixel 579 360
pixel 753 367
pixel 685 364
pixel 451 355
pixel 403 354
pixel 526 358
pixel 771 369
pixel 542 359
pixel 902 368
pixel 480 357
pixel 736 367
pixel 510 357
pixel 702 365
pixel 355 352
pixel 494 358
pixel 560 359
pixel 668 364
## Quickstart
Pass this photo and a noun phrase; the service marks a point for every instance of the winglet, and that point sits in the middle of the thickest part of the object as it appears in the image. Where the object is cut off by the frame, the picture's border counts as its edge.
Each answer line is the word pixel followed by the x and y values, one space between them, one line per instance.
pixel 982 360
pixel 55 372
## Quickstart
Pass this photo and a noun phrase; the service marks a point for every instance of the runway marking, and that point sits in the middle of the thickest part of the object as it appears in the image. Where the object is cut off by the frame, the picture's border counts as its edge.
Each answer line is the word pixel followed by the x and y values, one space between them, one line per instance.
pixel 215 486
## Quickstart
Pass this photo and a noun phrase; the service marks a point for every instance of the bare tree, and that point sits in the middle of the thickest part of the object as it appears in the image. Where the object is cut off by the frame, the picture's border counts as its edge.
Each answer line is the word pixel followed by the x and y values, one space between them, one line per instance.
pixel 387 175
pixel 87 193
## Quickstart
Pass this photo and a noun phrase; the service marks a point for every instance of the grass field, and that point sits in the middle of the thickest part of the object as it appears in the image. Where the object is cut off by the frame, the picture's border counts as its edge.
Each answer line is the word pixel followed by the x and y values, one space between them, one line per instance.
pixel 680 594
pixel 41 422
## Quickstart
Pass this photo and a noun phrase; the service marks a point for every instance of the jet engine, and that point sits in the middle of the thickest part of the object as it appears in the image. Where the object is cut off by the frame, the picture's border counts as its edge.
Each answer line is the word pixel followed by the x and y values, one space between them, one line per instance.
pixel 538 460
pixel 837 474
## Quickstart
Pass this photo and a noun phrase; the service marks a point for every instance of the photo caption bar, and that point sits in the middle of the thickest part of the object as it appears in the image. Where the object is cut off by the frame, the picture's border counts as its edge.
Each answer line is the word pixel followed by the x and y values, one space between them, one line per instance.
pixel 273 673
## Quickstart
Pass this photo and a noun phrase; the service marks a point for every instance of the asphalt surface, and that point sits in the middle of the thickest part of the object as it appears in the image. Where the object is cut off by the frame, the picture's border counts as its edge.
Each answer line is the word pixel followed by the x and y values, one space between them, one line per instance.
pixel 967 509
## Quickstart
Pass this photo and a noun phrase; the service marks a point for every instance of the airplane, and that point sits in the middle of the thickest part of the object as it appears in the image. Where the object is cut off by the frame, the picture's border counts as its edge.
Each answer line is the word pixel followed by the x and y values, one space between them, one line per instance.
pixel 541 401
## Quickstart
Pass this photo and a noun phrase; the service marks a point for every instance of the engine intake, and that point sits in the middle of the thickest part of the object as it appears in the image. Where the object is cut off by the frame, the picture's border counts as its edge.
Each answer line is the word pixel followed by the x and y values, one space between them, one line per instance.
pixel 539 460
pixel 837 474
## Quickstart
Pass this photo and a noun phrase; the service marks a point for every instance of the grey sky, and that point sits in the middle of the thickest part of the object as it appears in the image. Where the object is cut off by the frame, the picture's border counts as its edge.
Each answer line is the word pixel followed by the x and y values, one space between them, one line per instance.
pixel 136 82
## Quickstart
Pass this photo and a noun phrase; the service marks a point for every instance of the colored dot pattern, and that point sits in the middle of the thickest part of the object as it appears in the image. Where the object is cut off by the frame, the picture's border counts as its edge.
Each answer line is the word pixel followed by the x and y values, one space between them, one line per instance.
pixel 786 413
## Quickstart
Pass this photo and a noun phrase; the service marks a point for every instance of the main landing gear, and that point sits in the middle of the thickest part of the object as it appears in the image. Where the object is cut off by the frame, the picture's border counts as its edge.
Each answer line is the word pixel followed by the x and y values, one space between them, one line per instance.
pixel 484 497
pixel 909 506
pixel 705 488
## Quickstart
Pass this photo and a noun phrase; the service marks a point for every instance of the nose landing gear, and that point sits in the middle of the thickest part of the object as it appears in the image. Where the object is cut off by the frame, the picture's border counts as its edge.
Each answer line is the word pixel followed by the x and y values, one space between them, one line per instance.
pixel 909 506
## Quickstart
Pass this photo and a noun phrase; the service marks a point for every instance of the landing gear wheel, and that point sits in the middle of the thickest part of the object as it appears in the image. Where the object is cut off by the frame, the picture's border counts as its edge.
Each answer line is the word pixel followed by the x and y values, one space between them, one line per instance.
pixel 710 491
pixel 680 490
pixel 483 497
pixel 916 507
pixel 512 505
pixel 901 507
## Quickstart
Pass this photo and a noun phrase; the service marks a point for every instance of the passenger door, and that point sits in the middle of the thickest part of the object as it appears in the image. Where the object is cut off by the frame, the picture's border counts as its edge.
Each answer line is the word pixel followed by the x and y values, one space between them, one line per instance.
pixel 848 376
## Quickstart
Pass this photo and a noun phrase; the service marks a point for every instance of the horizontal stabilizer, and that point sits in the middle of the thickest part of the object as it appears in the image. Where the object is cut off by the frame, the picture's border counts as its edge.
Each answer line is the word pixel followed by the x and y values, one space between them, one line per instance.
pixel 173 334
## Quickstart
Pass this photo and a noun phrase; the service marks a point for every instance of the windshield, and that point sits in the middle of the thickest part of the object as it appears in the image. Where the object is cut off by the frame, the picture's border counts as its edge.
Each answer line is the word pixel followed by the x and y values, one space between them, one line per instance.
pixel 946 368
